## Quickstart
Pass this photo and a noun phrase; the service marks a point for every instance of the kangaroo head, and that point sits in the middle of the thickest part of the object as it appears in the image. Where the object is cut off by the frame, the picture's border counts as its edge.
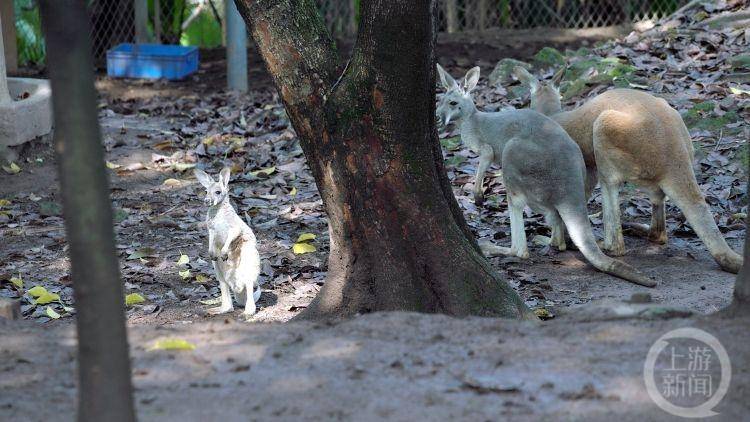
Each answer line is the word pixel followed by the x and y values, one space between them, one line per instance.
pixel 456 103
pixel 545 96
pixel 216 191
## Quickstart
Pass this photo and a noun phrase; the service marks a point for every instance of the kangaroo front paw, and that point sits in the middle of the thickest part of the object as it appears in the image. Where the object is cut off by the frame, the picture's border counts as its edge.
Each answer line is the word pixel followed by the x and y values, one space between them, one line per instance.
pixel 224 256
pixel 478 199
pixel 248 314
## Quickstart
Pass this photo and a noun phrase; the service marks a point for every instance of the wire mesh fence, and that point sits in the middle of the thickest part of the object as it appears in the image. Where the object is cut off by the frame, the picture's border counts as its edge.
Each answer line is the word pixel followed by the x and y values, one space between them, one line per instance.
pixel 199 22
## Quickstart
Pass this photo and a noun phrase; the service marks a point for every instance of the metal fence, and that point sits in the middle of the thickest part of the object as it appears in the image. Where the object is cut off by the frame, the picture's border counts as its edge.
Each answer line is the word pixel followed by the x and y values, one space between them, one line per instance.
pixel 199 21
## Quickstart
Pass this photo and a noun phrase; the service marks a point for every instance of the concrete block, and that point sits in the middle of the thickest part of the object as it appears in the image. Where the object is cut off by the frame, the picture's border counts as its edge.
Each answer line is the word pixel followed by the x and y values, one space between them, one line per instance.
pixel 25 119
pixel 10 308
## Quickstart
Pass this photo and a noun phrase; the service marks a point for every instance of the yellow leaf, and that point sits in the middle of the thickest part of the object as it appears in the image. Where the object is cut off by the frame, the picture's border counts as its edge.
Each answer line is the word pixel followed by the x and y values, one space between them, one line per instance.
pixel 184 274
pixel 37 291
pixel 52 314
pixel 12 168
pixel 304 237
pixel 738 91
pixel 172 344
pixel 16 281
pixel 543 314
pixel 172 182
pixel 300 248
pixel 47 297
pixel 183 166
pixel 4 202
pixel 200 278
pixel 112 166
pixel 293 192
pixel 267 171
pixel 184 259
pixel 134 299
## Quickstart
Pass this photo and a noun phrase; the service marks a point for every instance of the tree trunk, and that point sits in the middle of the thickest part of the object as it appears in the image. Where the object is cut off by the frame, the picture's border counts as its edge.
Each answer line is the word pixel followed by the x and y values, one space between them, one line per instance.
pixel 398 238
pixel 104 388
pixel 742 285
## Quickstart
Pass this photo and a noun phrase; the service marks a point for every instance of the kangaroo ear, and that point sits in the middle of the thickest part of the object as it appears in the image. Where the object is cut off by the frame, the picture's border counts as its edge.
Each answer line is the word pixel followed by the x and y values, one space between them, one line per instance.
pixel 203 178
pixel 525 77
pixel 471 79
pixel 558 77
pixel 446 79
pixel 224 176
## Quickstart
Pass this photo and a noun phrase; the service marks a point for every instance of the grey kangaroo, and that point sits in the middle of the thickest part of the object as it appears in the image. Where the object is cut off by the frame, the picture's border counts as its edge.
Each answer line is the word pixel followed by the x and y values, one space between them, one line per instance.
pixel 231 246
pixel 542 167
pixel 631 136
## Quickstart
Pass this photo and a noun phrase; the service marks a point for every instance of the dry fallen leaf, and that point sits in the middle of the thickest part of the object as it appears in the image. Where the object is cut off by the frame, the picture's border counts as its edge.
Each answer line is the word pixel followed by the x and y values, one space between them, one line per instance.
pixel 172 344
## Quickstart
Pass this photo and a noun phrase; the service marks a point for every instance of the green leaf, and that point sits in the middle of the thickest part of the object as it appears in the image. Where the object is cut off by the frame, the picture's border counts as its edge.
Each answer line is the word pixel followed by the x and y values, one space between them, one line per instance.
pixel 304 237
pixel 17 281
pixel 47 297
pixel 172 344
pixel 134 299
pixel 4 203
pixel 49 208
pixel 267 171
pixel 302 248
pixel 184 260
pixel 51 313
pixel 184 274
pixel 37 291
pixel 120 215
pixel 201 278
pixel 13 168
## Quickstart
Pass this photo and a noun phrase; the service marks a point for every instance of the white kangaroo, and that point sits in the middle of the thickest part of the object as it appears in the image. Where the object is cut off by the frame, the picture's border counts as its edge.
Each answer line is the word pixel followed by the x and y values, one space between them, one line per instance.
pixel 542 167
pixel 231 247
pixel 631 136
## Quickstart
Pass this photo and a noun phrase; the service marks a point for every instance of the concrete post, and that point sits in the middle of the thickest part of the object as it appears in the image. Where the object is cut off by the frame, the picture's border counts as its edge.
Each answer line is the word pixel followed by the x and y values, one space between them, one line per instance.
pixel 9 33
pixel 236 48
pixel 141 21
pixel 4 93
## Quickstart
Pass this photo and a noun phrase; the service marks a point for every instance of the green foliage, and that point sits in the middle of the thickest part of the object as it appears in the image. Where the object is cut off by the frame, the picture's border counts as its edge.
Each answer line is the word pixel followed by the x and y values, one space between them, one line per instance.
pixel 204 31
pixel 702 116
pixel 28 33
pixel 549 57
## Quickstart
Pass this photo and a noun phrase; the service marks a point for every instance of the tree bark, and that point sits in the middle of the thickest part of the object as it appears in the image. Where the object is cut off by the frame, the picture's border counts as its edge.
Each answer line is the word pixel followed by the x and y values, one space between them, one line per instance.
pixel 742 285
pixel 398 238
pixel 104 390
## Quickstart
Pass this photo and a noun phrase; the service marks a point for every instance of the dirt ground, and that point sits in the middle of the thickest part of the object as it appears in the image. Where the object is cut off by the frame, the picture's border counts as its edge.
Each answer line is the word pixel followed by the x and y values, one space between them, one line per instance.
pixel 585 364
pixel 392 366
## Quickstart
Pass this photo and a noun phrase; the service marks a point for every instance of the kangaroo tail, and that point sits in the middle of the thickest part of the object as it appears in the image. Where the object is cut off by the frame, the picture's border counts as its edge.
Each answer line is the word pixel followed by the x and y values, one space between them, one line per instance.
pixel 256 293
pixel 579 228
pixel 690 200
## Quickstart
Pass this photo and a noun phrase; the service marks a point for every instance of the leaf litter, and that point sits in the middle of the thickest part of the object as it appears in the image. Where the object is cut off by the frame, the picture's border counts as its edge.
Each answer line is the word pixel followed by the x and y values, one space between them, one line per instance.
pixel 153 142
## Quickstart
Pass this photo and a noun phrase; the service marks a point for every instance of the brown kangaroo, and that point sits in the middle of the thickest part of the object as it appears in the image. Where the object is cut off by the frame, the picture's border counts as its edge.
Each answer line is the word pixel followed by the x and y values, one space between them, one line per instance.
pixel 631 136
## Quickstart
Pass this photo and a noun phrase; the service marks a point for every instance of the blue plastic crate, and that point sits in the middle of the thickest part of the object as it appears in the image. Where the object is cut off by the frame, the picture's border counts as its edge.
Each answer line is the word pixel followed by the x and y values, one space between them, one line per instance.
pixel 152 61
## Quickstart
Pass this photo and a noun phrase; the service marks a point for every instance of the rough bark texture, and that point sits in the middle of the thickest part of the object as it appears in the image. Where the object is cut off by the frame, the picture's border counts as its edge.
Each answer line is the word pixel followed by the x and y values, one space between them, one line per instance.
pixel 398 238
pixel 104 390
pixel 742 285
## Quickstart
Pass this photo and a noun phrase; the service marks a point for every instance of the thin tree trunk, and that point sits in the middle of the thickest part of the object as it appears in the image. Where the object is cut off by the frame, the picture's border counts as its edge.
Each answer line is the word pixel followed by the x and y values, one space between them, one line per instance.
pixel 105 392
pixel 742 285
pixel 398 238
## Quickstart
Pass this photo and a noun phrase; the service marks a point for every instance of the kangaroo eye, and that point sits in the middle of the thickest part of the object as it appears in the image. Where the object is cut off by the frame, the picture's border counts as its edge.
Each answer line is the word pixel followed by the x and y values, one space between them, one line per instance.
pixel 453 103
pixel 218 192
